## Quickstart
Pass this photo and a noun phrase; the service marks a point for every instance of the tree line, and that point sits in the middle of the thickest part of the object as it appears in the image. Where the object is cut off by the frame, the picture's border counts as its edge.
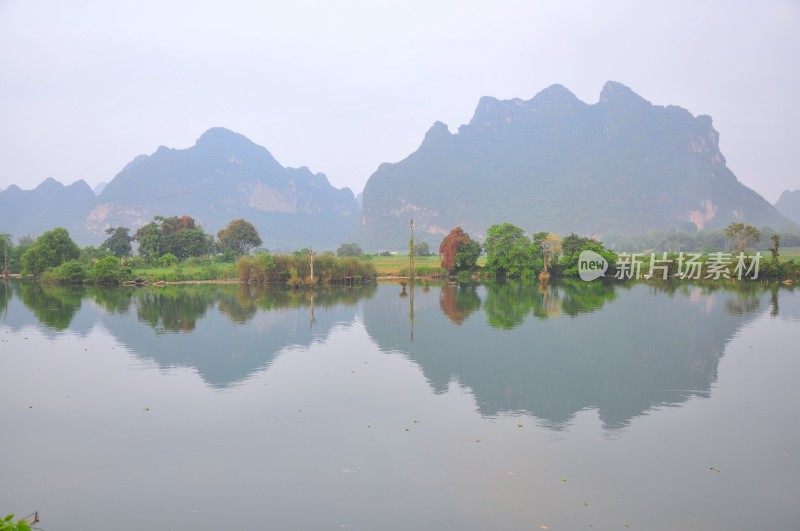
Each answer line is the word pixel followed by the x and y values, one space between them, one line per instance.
pixel 511 253
pixel 168 241
pixel 165 241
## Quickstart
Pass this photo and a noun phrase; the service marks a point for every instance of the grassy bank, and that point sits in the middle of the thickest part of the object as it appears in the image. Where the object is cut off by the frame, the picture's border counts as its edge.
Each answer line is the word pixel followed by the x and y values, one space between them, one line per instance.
pixel 184 272
pixel 397 265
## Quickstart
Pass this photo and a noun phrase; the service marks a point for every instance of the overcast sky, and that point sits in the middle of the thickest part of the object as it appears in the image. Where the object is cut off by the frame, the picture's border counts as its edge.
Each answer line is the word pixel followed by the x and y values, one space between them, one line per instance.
pixel 341 86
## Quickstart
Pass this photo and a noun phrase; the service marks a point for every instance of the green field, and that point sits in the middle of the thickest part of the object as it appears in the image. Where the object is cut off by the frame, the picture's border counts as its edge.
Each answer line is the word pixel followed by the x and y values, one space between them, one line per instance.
pixel 182 272
pixel 397 265
pixel 788 253
pixel 386 266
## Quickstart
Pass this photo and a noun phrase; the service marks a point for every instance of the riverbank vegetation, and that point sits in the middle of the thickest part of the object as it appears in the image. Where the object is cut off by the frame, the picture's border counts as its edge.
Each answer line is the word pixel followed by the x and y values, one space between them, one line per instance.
pixel 176 249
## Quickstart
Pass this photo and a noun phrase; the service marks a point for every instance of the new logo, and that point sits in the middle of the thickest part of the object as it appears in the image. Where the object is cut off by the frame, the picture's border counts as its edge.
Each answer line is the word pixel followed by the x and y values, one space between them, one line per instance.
pixel 591 265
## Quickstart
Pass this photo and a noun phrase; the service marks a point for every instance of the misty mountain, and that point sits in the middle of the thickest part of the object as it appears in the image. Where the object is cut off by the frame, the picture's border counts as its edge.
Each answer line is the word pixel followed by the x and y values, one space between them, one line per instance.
pixel 620 167
pixel 225 176
pixel 789 205
pixel 49 205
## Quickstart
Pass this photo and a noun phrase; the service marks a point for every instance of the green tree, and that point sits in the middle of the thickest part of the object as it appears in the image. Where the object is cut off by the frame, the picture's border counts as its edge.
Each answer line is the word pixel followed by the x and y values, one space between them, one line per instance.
pixel 69 273
pixel 108 270
pixel 467 256
pixel 119 242
pixel 742 235
pixel 180 236
pixel 510 253
pixel 349 249
pixel 776 246
pixel 189 242
pixel 149 238
pixel 15 266
pixel 6 253
pixel 167 260
pixel 573 245
pixel 90 254
pixel 239 236
pixel 422 249
pixel 51 249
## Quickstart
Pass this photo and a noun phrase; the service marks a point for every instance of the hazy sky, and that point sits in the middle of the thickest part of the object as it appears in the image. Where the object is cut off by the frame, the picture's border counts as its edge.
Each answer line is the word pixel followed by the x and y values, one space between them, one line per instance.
pixel 341 86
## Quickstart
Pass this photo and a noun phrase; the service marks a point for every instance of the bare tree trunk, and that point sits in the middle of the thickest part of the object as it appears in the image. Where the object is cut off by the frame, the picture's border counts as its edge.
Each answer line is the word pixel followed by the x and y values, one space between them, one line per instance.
pixel 411 252
pixel 5 255
pixel 311 261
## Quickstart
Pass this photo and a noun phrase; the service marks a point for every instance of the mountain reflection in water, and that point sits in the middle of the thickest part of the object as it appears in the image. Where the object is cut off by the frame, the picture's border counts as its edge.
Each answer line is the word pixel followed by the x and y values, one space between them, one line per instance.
pixel 619 348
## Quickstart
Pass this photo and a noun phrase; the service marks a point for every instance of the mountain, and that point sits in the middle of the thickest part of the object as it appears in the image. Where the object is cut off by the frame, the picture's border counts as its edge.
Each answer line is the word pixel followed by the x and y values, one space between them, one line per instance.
pixel 789 205
pixel 620 167
pixel 99 188
pixel 225 176
pixel 49 205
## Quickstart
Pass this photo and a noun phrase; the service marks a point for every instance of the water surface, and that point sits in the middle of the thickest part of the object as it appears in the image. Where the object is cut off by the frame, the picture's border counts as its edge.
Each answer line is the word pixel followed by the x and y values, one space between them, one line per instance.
pixel 494 406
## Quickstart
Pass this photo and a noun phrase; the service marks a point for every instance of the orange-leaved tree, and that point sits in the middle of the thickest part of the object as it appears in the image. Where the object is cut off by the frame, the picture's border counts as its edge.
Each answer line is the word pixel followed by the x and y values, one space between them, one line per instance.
pixel 458 251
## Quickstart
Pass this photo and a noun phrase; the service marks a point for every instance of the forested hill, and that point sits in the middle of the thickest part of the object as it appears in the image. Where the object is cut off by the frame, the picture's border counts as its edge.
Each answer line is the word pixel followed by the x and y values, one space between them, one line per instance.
pixel 619 167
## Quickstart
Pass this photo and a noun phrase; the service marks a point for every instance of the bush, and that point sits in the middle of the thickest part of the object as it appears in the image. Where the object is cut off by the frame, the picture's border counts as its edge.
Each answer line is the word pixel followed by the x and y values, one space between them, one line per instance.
pixel 71 272
pixel 167 260
pixel 137 262
pixel 8 524
pixel 258 268
pixel 778 270
pixel 422 249
pixel 51 249
pixel 349 249
pixel 227 256
pixel 430 271
pixel 108 270
pixel 296 270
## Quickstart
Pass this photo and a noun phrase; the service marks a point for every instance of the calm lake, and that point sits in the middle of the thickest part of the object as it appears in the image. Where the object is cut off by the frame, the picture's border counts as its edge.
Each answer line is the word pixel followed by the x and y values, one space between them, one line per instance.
pixel 473 407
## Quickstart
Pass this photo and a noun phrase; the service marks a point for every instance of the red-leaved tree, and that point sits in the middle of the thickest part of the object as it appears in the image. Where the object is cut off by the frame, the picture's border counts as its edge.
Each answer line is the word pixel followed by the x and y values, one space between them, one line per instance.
pixel 451 245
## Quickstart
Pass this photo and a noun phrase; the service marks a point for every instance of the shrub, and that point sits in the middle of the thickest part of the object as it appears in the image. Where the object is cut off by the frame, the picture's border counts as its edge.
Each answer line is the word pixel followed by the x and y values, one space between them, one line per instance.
pixel 296 270
pixel 8 524
pixel 108 270
pixel 71 272
pixel 349 249
pixel 167 260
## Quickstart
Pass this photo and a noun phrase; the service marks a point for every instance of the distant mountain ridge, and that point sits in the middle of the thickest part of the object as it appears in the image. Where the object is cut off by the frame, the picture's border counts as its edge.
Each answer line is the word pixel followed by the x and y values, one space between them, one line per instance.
pixel 224 176
pixel 620 167
pixel 49 205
